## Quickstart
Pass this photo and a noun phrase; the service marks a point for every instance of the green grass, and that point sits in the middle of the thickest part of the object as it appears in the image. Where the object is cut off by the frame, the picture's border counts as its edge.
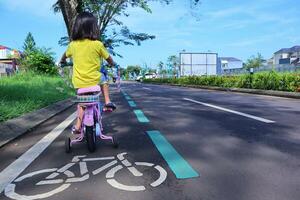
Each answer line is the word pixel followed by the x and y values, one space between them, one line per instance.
pixel 26 92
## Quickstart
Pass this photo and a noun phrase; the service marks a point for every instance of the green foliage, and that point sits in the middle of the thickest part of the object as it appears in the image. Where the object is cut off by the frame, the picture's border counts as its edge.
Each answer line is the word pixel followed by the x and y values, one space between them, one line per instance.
pixel 28 91
pixel 113 32
pixel 173 63
pixel 264 80
pixel 29 44
pixel 254 61
pixel 133 70
pixel 40 60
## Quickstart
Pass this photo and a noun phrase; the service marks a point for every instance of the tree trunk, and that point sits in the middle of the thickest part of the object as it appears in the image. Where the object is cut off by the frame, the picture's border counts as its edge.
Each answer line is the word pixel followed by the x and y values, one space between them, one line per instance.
pixel 69 10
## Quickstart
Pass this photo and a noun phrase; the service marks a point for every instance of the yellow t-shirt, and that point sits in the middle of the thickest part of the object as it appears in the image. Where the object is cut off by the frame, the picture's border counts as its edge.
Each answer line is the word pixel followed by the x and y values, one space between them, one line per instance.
pixel 87 55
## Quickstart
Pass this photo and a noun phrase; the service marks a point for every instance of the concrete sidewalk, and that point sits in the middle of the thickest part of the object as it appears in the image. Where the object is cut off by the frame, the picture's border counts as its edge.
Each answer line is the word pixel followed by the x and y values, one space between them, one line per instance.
pixel 14 128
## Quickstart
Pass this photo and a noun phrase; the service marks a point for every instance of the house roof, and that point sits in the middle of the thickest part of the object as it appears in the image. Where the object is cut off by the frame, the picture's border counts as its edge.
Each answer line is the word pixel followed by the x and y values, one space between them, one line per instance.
pixel 4 47
pixel 230 59
pixel 289 50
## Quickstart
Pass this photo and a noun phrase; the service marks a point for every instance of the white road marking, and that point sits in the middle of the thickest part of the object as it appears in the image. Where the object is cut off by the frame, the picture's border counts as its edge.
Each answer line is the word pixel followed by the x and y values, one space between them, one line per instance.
pixel 126 163
pixel 10 192
pixel 231 111
pixel 64 168
pixel 97 171
pixel 77 158
pixel 144 164
pixel 34 173
pixel 147 88
pixel 78 179
pixel 49 182
pixel 120 186
pixel 96 159
pixel 52 176
pixel 83 168
pixel 111 172
pixel 18 166
pixel 162 177
pixel 134 171
pixel 68 173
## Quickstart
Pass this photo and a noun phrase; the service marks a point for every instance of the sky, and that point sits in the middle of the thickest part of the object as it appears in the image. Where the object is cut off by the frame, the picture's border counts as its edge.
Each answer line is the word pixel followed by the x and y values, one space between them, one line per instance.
pixel 231 28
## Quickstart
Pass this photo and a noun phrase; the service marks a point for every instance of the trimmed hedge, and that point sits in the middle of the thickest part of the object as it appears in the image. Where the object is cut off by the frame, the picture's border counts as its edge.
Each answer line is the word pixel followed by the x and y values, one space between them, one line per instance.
pixel 263 80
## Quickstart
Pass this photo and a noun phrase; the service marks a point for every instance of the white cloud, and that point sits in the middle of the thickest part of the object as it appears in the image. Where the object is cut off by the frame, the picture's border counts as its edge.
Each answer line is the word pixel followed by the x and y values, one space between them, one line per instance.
pixel 262 39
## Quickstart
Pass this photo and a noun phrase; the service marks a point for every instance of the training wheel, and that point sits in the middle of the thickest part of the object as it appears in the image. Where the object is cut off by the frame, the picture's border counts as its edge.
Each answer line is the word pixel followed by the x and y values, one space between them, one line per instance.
pixel 67 145
pixel 115 142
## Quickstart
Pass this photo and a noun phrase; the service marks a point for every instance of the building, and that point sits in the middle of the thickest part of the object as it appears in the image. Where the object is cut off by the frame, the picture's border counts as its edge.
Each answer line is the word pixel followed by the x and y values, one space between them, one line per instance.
pixel 8 54
pixel 229 63
pixel 287 56
pixel 8 63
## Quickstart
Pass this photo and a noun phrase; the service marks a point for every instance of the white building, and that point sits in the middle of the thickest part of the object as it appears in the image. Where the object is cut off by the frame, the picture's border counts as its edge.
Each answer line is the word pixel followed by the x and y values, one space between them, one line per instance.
pixel 230 63
pixel 6 52
pixel 287 56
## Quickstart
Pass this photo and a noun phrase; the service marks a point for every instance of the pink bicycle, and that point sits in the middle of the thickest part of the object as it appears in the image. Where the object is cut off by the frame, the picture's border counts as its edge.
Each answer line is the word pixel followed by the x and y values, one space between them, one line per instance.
pixel 91 125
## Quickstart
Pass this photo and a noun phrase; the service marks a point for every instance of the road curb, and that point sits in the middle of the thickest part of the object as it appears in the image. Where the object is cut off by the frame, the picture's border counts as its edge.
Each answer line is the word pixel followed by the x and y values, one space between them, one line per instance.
pixel 294 95
pixel 11 129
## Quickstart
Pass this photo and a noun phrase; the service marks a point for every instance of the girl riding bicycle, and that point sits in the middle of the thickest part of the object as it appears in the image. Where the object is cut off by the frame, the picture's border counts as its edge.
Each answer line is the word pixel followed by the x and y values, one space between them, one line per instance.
pixel 87 53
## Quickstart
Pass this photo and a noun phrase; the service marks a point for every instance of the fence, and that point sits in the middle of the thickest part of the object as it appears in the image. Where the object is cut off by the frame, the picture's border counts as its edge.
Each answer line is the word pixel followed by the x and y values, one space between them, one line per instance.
pixel 6 69
pixel 278 68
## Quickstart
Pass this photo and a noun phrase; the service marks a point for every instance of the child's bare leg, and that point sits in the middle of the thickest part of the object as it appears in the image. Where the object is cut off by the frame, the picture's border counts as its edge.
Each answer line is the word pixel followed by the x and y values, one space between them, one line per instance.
pixel 107 102
pixel 79 117
pixel 105 92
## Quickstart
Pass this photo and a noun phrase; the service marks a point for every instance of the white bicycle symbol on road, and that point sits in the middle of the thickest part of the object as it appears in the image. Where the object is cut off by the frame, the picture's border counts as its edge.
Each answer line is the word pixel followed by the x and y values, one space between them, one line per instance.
pixel 10 190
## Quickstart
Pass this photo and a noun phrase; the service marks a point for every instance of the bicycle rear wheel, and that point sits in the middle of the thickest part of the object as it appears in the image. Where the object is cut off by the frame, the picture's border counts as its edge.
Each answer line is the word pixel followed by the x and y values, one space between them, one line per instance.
pixel 90 138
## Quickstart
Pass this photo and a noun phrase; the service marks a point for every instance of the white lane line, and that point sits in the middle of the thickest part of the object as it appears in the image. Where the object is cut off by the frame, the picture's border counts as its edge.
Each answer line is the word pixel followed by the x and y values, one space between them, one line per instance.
pixel 231 111
pixel 147 88
pixel 18 166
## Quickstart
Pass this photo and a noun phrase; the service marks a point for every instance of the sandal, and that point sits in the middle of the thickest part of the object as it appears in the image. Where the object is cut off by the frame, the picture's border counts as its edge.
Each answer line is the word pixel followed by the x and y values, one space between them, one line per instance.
pixel 75 131
pixel 110 106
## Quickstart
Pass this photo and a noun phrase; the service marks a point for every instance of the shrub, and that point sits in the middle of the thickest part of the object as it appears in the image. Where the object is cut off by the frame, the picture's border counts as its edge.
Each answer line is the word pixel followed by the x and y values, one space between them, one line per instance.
pixel 263 80
pixel 40 60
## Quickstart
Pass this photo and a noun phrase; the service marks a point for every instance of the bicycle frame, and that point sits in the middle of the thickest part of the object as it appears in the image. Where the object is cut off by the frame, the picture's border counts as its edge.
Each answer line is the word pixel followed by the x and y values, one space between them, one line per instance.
pixel 92 114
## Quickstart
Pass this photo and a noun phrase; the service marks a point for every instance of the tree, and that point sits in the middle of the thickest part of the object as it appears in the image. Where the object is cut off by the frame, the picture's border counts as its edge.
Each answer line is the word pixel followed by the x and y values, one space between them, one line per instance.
pixel 173 62
pixel 160 67
pixel 254 61
pixel 107 12
pixel 29 44
pixel 134 70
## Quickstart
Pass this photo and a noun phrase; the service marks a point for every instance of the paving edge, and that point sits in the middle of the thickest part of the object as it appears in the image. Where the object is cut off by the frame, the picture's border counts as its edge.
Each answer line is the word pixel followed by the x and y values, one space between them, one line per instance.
pixel 294 95
pixel 13 128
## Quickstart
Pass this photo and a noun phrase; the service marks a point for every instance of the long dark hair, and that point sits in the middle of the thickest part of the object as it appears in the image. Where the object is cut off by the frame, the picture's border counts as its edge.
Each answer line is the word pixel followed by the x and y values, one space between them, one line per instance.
pixel 85 27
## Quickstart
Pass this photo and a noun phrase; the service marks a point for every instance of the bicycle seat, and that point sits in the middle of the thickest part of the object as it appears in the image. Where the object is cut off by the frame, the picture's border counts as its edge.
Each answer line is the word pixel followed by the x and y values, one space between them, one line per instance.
pixel 89 90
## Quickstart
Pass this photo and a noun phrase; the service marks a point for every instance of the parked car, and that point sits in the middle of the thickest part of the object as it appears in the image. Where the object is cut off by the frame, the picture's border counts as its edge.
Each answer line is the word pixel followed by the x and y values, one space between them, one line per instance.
pixel 150 75
pixel 139 78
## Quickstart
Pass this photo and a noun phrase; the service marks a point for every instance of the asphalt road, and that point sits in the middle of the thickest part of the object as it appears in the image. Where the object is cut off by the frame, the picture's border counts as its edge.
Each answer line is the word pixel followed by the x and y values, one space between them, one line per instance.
pixel 244 147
